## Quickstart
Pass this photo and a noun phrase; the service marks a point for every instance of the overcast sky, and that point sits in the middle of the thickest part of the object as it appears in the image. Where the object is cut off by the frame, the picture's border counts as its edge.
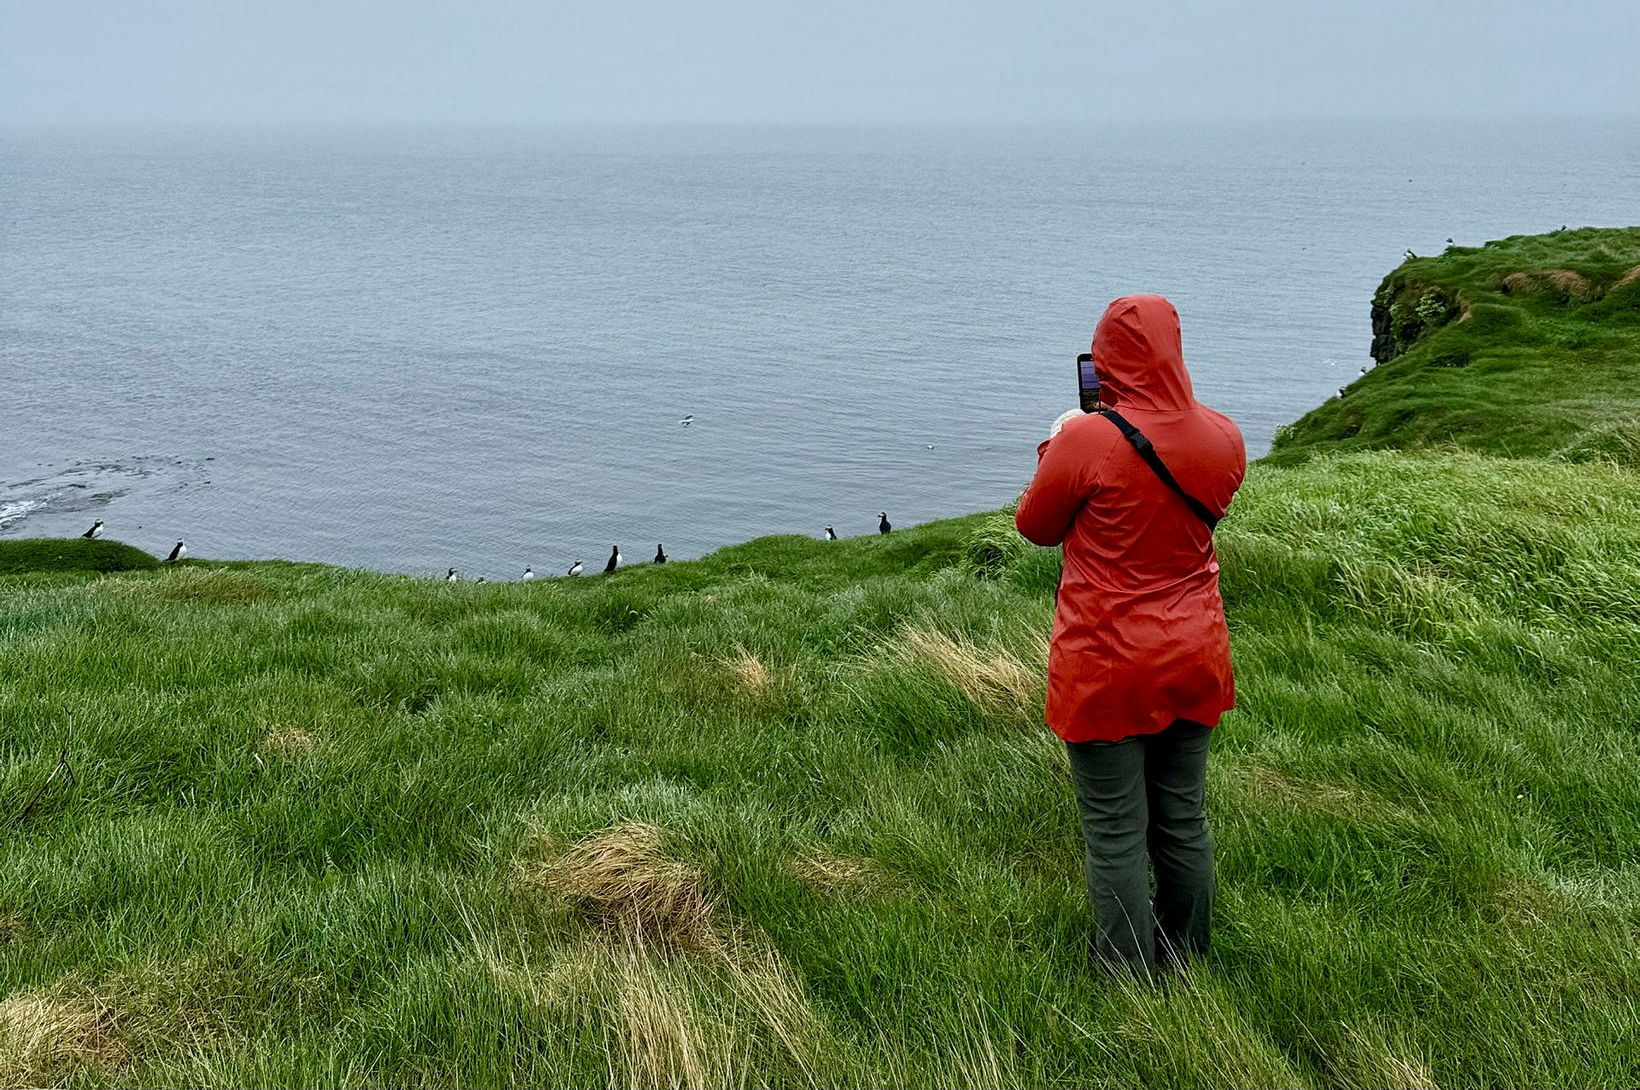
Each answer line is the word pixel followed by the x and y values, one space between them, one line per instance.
pixel 809 61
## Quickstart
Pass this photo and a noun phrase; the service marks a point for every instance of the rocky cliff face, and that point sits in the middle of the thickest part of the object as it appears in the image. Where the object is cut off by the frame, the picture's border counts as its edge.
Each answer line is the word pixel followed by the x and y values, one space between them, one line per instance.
pixel 1404 309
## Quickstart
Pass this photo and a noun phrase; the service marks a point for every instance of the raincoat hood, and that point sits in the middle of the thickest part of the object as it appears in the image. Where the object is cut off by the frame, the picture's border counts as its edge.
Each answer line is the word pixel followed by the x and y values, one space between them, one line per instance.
pixel 1139 356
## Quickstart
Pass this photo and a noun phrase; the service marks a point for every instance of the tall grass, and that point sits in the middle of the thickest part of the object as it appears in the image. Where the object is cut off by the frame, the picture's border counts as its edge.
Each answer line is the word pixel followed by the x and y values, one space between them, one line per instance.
pixel 754 820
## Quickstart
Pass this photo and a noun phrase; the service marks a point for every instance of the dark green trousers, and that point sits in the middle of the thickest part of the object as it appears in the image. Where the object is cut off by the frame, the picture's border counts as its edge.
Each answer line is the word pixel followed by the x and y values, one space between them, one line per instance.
pixel 1141 801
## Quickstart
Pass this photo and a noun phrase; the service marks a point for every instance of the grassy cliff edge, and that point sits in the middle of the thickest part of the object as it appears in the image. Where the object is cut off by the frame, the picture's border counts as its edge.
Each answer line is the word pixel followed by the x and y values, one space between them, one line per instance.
pixel 787 814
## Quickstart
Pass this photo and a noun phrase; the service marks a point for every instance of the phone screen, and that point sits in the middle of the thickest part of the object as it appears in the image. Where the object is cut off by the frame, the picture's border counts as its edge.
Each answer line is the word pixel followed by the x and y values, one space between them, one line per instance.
pixel 1088 383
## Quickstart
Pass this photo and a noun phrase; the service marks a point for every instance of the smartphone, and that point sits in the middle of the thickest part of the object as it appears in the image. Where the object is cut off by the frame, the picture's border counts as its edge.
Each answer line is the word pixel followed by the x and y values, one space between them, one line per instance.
pixel 1087 380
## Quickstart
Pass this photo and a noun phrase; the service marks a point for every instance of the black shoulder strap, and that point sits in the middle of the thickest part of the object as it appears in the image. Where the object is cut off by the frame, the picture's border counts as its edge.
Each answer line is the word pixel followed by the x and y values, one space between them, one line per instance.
pixel 1137 438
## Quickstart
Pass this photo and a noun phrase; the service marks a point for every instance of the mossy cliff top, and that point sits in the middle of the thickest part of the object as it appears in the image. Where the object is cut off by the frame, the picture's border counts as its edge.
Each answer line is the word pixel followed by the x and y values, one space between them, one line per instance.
pixel 1525 346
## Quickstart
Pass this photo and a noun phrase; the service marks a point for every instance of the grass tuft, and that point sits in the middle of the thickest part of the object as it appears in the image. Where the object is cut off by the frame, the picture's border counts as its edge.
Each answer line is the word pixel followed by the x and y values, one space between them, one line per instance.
pixel 988 676
pixel 621 880
pixel 44 1038
pixel 749 672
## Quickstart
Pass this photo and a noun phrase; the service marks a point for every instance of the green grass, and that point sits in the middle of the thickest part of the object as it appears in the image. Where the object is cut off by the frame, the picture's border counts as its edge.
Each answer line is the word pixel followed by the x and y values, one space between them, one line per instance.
pixel 75 554
pixel 1529 346
pixel 787 815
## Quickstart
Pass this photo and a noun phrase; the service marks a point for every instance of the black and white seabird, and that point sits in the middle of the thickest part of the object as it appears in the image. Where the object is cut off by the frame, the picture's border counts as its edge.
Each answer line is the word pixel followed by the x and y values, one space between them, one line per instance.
pixel 177 553
pixel 831 535
pixel 884 526
pixel 686 421
pixel 451 576
pixel 614 559
pixel 575 568
pixel 660 554
pixel 529 573
pixel 95 532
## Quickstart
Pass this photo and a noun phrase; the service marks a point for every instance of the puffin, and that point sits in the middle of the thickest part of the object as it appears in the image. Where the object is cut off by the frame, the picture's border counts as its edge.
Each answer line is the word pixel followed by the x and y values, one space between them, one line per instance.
pixel 660 554
pixel 95 532
pixel 529 573
pixel 177 553
pixel 614 559
pixel 831 535
pixel 883 526
pixel 451 576
pixel 575 568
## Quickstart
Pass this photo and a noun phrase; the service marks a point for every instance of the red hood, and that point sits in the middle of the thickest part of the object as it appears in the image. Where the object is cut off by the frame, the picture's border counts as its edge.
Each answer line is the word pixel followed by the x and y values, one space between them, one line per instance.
pixel 1139 357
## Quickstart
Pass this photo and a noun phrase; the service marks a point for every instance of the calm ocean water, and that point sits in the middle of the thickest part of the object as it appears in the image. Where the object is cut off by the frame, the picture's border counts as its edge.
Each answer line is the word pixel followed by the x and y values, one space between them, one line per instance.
pixel 406 350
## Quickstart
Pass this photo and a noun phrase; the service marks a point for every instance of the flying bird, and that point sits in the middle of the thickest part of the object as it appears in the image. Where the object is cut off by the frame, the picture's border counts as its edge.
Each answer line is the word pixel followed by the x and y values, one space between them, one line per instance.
pixel 660 554
pixel 614 559
pixel 529 573
pixel 177 553
pixel 575 568
pixel 95 532
pixel 883 526
pixel 686 421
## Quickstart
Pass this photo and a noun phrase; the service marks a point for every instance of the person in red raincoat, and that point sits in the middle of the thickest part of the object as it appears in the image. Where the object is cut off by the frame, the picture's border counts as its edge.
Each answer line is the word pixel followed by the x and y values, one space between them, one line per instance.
pixel 1139 663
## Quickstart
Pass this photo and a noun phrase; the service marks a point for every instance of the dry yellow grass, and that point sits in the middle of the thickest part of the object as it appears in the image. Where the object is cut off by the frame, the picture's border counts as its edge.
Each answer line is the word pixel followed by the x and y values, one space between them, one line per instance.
pixel 661 1039
pixel 1630 277
pixel 750 672
pixel 621 880
pixel 839 875
pixel 285 740
pixel 687 998
pixel 1372 1062
pixel 989 675
pixel 43 1037
pixel 1564 282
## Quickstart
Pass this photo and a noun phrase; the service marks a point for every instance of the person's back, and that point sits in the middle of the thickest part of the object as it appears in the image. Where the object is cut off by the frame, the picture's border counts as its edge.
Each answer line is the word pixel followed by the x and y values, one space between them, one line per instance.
pixel 1140 648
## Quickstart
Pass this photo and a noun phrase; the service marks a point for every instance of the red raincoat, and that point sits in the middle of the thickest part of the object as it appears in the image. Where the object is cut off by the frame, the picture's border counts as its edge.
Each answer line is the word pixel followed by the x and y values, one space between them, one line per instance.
pixel 1139 638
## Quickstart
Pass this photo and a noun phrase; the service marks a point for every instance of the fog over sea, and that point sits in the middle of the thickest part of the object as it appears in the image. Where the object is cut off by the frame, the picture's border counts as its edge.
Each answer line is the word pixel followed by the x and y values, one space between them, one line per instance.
pixel 411 349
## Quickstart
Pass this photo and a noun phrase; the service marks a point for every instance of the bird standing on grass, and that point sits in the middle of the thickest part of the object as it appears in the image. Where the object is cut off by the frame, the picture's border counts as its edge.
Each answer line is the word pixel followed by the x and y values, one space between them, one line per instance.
pixel 614 559
pixel 660 554
pixel 95 532
pixel 529 573
pixel 831 535
pixel 451 576
pixel 575 568
pixel 177 553
pixel 884 526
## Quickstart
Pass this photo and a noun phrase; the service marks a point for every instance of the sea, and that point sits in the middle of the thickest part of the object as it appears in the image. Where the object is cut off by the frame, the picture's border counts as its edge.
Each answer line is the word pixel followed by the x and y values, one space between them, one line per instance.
pixel 410 349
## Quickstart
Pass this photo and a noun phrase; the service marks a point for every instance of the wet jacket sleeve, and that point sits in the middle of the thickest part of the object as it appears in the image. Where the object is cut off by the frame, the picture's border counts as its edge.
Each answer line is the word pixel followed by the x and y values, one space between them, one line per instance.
pixel 1057 492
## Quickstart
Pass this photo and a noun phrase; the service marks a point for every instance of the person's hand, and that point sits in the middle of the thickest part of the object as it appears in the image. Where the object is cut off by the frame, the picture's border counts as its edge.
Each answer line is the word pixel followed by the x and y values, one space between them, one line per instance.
pixel 1064 418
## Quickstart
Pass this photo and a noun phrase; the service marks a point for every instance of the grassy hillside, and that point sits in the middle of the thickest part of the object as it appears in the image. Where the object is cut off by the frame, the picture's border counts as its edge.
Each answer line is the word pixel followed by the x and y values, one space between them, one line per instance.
pixel 1527 346
pixel 74 554
pixel 787 815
